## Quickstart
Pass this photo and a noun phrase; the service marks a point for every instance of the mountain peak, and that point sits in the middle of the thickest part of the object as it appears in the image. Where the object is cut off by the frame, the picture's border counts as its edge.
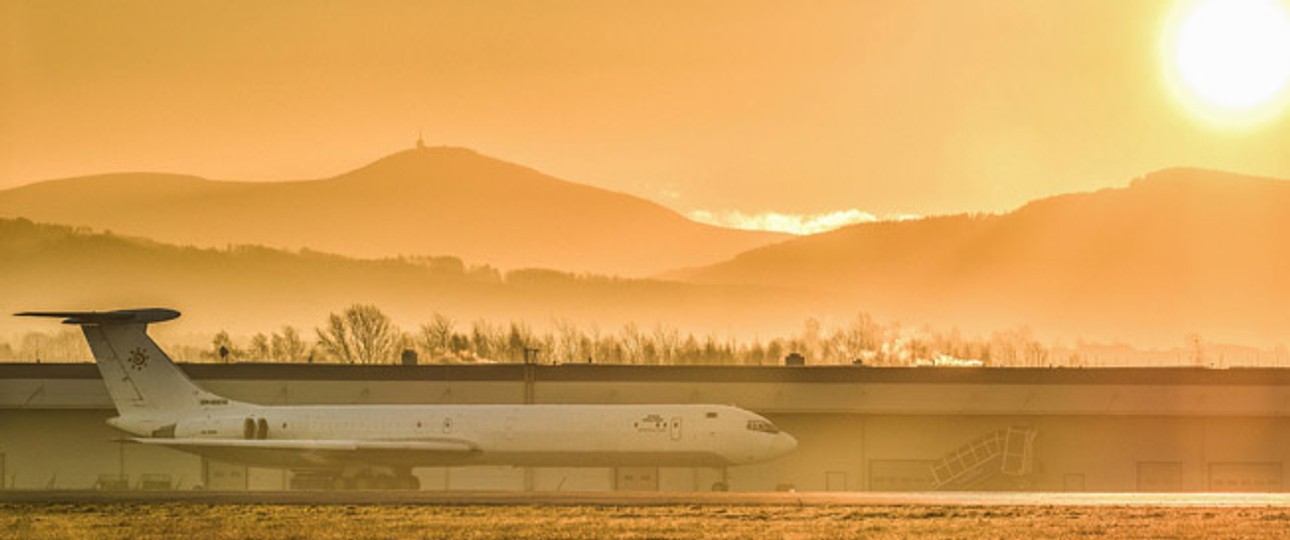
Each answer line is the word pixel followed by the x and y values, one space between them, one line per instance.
pixel 423 157
pixel 437 152
pixel 438 200
pixel 444 166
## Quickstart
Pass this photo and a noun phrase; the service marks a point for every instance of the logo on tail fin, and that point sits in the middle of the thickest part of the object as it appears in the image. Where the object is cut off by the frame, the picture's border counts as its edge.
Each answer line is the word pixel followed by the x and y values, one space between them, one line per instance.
pixel 138 359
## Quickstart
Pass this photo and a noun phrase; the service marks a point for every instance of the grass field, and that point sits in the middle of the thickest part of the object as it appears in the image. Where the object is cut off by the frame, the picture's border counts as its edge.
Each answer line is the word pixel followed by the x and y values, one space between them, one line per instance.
pixel 267 521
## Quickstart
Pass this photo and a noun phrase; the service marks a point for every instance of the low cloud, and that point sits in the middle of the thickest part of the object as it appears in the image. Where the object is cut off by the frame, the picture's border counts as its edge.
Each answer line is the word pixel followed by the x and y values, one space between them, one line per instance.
pixel 799 224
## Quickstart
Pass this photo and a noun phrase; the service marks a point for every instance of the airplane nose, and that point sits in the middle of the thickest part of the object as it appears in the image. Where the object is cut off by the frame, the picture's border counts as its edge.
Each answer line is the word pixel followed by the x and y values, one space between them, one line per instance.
pixel 784 443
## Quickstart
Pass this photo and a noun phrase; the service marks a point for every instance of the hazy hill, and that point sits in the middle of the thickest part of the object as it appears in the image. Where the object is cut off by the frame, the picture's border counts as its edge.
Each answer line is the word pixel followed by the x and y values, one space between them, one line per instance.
pixel 1177 251
pixel 249 289
pixel 427 201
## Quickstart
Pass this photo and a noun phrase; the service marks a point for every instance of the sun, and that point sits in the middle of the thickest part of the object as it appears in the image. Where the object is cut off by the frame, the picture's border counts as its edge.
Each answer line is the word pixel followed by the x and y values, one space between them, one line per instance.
pixel 1228 61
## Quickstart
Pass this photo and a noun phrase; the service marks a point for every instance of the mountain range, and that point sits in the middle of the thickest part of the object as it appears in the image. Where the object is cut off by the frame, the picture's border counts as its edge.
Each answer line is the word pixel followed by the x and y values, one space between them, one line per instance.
pixel 424 201
pixel 1176 252
pixel 249 289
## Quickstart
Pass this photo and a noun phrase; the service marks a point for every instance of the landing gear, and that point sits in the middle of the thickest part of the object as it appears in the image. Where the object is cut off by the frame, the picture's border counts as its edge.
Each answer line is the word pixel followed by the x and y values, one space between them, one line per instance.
pixel 312 480
pixel 723 483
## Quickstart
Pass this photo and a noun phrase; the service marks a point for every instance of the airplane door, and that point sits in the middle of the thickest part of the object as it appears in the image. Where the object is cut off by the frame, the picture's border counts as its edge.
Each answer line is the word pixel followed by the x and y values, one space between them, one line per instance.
pixel 674 427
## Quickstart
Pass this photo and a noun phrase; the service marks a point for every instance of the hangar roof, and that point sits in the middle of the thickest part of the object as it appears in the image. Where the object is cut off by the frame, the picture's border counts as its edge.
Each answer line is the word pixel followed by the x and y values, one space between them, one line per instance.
pixel 683 373
pixel 769 389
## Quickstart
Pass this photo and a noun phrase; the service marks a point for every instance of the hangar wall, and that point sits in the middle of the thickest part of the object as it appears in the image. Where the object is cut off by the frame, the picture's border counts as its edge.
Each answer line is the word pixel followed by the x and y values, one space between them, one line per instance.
pixel 865 429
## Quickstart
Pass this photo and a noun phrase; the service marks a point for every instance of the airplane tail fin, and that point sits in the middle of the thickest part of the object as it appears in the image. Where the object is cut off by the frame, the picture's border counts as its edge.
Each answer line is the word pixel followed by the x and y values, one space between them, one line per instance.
pixel 142 381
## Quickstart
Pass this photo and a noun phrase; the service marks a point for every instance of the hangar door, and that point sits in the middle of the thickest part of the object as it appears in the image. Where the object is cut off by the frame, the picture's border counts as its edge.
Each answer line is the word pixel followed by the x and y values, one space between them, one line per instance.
pixel 636 479
pixel 220 476
pixel 1245 476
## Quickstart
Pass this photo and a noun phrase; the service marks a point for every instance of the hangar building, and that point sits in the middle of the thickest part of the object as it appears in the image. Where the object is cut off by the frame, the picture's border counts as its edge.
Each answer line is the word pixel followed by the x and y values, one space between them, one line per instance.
pixel 859 428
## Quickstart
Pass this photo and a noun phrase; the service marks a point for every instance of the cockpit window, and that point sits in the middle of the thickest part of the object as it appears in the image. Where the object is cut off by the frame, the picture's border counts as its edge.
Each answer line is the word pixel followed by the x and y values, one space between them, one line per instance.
pixel 762 426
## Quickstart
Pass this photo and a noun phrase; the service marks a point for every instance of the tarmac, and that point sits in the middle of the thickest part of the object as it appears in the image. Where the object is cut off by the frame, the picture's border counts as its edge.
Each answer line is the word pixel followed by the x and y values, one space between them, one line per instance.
pixel 511 498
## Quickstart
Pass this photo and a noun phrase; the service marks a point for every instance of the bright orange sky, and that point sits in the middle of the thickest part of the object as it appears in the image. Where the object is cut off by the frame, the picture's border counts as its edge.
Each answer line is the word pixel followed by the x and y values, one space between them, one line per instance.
pixel 888 107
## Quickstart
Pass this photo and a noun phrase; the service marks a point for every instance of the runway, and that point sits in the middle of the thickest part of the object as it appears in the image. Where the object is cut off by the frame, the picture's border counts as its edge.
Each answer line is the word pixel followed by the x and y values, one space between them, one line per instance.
pixel 497 498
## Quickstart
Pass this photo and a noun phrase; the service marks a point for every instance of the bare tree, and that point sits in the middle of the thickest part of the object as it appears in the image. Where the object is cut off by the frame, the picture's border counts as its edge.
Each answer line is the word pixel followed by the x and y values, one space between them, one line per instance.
pixel 335 341
pixel 864 338
pixel 481 339
pixel 668 341
pixel 632 343
pixel 518 338
pixel 288 347
pixel 62 346
pixel 567 339
pixel 260 350
pixel 1036 354
pixel 222 348
pixel 435 337
pixel 362 334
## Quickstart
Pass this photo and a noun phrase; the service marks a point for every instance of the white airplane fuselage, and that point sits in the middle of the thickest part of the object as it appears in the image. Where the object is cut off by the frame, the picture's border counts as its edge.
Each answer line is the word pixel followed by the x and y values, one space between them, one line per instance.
pixel 521 435
pixel 160 406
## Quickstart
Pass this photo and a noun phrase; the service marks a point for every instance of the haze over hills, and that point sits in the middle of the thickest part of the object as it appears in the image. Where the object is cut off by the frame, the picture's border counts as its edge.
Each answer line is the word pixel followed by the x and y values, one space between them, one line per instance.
pixel 248 289
pixel 1175 252
pixel 425 201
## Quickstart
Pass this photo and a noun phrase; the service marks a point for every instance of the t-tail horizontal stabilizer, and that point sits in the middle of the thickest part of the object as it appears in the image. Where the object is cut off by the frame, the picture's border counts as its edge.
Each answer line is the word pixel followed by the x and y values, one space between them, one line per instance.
pixel 150 392
pixel 120 316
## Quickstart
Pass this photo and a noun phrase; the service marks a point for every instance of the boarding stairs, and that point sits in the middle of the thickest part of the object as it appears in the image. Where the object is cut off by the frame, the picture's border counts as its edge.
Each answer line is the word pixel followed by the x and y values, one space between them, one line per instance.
pixel 1009 452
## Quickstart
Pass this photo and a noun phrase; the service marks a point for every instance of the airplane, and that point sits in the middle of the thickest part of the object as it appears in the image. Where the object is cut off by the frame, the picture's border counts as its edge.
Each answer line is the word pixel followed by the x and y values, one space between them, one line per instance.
pixel 377 446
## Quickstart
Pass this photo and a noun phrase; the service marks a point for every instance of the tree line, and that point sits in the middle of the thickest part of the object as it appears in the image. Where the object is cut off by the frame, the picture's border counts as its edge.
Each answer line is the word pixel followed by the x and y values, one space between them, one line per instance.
pixel 363 334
